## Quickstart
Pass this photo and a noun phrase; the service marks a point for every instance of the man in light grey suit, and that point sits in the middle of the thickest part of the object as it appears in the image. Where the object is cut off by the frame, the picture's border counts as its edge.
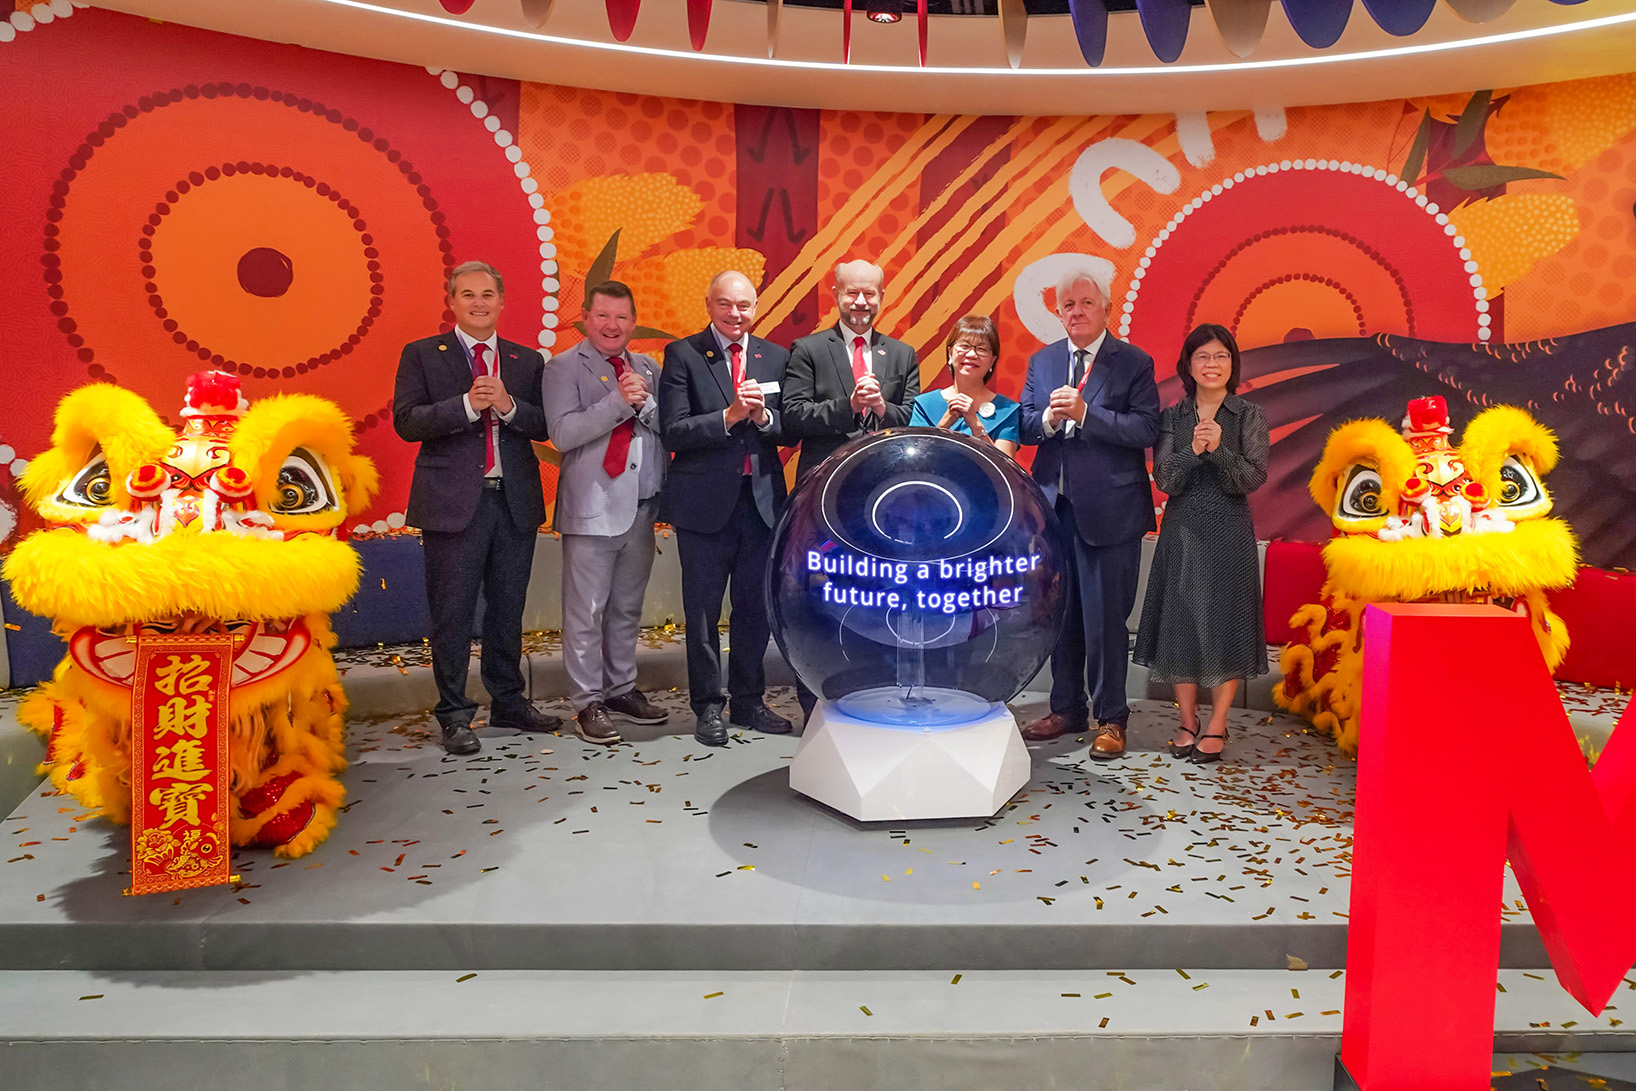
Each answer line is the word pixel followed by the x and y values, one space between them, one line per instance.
pixel 604 418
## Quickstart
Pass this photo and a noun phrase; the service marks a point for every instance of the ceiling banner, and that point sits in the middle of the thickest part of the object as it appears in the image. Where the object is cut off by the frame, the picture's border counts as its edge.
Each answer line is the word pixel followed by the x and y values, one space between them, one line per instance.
pixel 1318 22
pixel 1479 11
pixel 1090 20
pixel 622 17
pixel 1400 17
pixel 698 22
pixel 536 11
pixel 921 18
pixel 1165 24
pixel 1240 23
pixel 846 32
pixel 1014 27
pixel 773 8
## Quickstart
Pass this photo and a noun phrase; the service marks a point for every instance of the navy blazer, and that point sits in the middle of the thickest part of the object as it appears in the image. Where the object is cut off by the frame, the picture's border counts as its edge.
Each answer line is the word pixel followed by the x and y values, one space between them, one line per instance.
pixel 707 467
pixel 427 409
pixel 1103 465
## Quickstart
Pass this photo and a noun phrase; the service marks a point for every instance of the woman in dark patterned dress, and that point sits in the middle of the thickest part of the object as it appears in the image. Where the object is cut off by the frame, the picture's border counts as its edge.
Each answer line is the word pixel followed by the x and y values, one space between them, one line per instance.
pixel 1201 620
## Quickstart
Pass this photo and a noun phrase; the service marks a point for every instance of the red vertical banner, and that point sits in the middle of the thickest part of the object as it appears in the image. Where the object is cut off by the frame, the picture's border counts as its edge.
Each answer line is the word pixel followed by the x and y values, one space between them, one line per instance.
pixel 180 787
pixel 777 164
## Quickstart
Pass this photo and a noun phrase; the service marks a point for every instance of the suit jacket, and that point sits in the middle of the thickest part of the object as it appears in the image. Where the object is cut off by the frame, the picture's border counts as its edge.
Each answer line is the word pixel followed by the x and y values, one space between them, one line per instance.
pixel 582 407
pixel 818 390
pixel 1102 465
pixel 707 467
pixel 427 408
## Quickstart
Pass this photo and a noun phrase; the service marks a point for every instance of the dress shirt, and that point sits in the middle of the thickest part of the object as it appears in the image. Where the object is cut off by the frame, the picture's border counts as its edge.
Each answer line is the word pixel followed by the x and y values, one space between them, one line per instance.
pixel 743 344
pixel 1090 350
pixel 468 342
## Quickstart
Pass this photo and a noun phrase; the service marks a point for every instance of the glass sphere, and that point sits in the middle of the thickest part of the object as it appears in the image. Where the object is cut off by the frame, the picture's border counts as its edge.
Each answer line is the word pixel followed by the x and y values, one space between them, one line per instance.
pixel 917 578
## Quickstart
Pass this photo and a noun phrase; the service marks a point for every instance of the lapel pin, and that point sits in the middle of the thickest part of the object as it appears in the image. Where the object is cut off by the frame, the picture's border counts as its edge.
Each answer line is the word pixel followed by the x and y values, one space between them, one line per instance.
pixel 880 352
pixel 513 355
pixel 443 348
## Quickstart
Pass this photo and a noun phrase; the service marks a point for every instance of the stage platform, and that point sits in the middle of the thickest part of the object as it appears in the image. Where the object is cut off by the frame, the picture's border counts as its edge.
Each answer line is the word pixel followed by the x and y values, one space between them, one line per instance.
pixel 665 907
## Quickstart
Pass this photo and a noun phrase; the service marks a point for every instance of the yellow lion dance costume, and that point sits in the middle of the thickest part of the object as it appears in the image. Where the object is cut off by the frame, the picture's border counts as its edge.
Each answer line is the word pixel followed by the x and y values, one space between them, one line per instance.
pixel 234 524
pixel 1417 520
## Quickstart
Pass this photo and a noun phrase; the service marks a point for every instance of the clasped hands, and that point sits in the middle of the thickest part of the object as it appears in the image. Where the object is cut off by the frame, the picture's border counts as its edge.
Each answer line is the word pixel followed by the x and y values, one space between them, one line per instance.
pixel 488 392
pixel 867 397
pixel 1206 437
pixel 1067 405
pixel 748 402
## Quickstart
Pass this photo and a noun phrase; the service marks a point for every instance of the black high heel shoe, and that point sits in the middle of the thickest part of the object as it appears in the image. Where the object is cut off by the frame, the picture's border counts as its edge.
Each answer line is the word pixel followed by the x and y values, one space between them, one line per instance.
pixel 1181 752
pixel 1202 757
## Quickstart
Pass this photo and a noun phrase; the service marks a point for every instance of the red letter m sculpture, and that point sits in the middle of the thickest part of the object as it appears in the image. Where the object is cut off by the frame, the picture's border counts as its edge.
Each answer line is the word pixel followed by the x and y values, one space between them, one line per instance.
pixel 1434 830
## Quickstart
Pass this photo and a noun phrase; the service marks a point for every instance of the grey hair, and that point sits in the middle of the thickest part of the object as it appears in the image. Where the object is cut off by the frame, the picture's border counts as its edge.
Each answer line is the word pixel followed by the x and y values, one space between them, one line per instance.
pixel 1083 272
pixel 473 267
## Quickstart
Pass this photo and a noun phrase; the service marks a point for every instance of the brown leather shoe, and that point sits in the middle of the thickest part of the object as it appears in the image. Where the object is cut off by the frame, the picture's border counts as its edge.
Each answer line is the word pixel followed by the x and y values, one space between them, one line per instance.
pixel 634 708
pixel 593 725
pixel 1110 743
pixel 1050 726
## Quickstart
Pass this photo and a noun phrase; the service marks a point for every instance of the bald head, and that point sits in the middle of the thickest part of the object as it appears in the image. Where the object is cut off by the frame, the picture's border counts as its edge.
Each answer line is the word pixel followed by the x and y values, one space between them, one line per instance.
pixel 731 303
pixel 860 288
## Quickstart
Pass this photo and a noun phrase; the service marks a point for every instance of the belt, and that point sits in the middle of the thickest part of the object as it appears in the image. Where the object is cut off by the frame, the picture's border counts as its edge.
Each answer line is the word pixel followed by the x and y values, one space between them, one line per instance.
pixel 495 483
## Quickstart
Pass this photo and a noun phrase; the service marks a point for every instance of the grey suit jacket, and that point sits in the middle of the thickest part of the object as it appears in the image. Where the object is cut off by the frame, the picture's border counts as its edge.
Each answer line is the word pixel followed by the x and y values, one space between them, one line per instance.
pixel 582 407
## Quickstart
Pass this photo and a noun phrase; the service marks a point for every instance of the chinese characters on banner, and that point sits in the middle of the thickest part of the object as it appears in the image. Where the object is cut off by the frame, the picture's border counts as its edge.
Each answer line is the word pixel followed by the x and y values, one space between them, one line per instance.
pixel 180 798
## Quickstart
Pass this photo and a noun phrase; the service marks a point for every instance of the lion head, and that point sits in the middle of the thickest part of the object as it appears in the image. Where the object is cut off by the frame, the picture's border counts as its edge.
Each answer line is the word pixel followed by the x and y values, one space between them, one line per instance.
pixel 233 522
pixel 1419 519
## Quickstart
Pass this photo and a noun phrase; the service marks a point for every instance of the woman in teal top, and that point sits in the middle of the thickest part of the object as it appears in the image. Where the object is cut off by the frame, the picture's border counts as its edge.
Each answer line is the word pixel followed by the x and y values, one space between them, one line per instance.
pixel 968 405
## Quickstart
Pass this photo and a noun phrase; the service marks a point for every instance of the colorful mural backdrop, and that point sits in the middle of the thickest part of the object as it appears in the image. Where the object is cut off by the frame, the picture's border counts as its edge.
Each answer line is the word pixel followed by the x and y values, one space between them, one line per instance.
pixel 176 199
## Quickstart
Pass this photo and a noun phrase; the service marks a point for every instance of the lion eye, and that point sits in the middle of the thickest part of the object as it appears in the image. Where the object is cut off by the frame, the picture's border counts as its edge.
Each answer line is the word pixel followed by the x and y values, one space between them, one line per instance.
pixel 1518 485
pixel 303 486
pixel 1360 499
pixel 92 487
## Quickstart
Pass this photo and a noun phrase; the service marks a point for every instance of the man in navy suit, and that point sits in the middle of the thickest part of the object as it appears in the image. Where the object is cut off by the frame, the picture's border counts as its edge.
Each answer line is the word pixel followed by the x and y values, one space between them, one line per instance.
pixel 1091 404
pixel 472 402
pixel 719 412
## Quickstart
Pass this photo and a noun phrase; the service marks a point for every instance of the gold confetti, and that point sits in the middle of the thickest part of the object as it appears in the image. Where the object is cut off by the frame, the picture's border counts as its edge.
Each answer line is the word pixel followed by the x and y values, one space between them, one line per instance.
pixel 712 996
pixel 464 978
pixel 1101 996
pixel 1184 975
pixel 93 996
pixel 1104 1022
pixel 865 1010
pixel 1075 995
pixel 955 980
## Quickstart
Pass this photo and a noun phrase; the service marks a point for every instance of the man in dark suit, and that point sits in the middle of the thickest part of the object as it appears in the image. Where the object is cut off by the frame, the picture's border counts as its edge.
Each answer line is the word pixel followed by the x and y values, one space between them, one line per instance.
pixel 719 410
pixel 472 402
pixel 850 379
pixel 1091 403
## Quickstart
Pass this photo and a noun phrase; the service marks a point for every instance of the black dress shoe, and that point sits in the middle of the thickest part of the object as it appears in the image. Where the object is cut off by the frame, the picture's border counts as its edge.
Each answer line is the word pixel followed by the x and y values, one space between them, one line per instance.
pixel 458 739
pixel 524 718
pixel 764 720
pixel 710 728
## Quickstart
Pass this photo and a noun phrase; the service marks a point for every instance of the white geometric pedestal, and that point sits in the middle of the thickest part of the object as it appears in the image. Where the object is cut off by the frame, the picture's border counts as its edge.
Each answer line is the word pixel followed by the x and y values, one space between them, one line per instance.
pixel 886 774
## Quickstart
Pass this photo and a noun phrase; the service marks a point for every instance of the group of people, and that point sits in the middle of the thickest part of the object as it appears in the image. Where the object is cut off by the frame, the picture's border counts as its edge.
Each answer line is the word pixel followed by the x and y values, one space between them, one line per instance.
pixel 694 441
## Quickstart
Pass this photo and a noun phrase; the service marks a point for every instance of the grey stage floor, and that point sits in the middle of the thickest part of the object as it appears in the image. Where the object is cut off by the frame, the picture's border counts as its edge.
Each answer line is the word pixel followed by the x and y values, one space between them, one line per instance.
pixel 543 853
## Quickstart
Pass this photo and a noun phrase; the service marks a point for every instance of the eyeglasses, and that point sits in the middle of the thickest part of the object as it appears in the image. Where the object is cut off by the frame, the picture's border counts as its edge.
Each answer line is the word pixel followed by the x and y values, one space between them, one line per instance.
pixel 1213 358
pixel 973 349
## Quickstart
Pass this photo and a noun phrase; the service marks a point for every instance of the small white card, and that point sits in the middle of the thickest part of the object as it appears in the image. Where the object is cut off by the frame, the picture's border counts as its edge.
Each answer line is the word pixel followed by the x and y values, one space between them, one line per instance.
pixel 768 388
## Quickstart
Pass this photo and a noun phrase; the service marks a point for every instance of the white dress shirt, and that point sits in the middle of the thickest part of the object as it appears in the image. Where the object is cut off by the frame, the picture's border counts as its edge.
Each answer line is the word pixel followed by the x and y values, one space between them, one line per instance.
pixel 468 342
pixel 1090 350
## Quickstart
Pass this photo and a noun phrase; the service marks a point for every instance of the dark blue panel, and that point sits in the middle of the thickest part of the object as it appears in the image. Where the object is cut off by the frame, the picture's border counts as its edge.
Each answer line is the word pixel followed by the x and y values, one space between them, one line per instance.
pixel 32 648
pixel 395 613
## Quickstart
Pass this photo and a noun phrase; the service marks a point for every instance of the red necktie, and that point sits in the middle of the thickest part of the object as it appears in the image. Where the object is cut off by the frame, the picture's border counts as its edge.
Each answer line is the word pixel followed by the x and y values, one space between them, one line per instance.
pixel 619 440
pixel 859 368
pixel 736 351
pixel 479 366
